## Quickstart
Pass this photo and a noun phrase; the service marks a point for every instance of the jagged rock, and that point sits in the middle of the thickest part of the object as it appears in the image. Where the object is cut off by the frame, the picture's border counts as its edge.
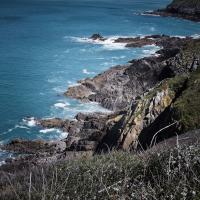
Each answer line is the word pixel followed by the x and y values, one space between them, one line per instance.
pixel 97 36
pixel 147 110
pixel 195 64
pixel 58 145
pixel 84 145
pixel 117 87
pixel 80 92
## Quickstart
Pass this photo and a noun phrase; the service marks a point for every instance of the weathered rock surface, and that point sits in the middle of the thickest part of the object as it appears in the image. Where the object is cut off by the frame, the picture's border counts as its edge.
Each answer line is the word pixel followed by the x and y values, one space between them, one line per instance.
pixel 87 131
pixel 172 107
pixel 117 87
pixel 147 113
pixel 187 9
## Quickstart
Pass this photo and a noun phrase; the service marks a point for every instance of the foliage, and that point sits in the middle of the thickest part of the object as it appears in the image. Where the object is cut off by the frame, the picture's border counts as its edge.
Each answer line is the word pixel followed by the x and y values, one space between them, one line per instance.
pixel 186 108
pixel 167 174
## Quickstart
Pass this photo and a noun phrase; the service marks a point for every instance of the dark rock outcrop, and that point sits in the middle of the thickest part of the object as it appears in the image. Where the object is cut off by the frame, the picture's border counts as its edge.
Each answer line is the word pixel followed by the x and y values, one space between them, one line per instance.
pixel 187 9
pixel 97 36
pixel 35 147
pixel 146 115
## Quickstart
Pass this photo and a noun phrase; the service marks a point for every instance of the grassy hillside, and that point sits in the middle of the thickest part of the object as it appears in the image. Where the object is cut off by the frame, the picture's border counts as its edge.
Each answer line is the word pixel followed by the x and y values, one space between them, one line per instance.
pixel 167 174
pixel 186 109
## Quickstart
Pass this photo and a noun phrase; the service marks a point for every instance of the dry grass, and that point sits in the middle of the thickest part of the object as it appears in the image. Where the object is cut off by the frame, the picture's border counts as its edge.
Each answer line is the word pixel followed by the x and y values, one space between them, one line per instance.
pixel 170 174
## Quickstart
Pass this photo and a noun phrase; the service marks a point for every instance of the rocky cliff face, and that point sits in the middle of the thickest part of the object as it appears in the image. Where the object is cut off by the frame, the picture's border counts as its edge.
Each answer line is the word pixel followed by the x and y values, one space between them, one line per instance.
pixel 146 112
pixel 141 116
pixel 116 88
pixel 171 107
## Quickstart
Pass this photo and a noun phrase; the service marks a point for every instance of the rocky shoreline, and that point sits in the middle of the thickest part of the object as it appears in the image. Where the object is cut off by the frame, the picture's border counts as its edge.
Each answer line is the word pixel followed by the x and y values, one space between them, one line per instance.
pixel 144 96
pixel 183 9
pixel 116 88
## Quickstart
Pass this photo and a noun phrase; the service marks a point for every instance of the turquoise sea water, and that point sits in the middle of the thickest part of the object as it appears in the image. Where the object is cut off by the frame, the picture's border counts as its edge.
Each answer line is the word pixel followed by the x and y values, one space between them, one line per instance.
pixel 43 51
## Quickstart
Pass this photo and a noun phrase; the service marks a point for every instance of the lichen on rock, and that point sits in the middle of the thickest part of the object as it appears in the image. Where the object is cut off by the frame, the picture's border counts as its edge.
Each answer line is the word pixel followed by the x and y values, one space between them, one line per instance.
pixel 148 109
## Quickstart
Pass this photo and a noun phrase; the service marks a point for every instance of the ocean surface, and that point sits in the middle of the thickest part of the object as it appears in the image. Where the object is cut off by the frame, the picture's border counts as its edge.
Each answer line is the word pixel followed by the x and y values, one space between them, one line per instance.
pixel 44 49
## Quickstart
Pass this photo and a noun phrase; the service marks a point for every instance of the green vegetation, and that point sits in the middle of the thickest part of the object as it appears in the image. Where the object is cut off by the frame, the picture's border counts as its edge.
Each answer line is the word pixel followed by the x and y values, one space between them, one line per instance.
pixel 174 84
pixel 169 174
pixel 177 83
pixel 186 108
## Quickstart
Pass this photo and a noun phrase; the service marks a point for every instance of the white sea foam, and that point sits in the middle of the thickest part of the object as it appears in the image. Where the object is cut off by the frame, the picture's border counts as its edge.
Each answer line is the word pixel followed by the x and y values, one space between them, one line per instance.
pixel 195 36
pixel 30 122
pixel 149 13
pixel 12 129
pixel 114 46
pixel 74 108
pixel 85 71
pixel 2 162
pixel 58 133
pixel 3 155
pixel 61 105
pixel 72 84
pixel 59 89
pixel 180 36
pixel 151 50
pixel 22 127
pixel 63 135
pixel 8 131
pixel 48 130
pixel 108 44
pixel 92 107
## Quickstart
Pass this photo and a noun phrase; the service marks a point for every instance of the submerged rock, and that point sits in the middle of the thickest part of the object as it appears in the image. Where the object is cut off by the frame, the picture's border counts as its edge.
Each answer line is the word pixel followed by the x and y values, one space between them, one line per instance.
pixel 97 36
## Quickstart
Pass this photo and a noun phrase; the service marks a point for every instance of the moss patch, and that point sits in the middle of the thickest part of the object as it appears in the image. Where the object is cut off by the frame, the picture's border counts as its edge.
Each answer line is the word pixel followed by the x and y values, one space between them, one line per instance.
pixel 186 108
